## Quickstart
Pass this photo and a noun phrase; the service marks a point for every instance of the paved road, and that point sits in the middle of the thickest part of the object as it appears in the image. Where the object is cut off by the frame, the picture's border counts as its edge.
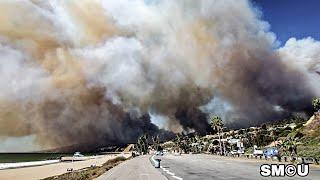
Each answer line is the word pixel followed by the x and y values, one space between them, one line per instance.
pixel 138 168
pixel 200 166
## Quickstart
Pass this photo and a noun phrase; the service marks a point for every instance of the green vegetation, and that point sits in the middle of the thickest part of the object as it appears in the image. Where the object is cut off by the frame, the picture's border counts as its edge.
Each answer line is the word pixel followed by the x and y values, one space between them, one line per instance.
pixel 182 143
pixel 289 147
pixel 316 103
pixel 179 145
pixel 310 139
pixel 309 147
pixel 293 136
pixel 88 173
pixel 293 119
pixel 217 125
pixel 156 143
pixel 142 144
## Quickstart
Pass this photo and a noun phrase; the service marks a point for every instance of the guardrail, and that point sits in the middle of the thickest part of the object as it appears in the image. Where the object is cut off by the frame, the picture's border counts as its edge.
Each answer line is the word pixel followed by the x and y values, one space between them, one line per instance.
pixel 155 162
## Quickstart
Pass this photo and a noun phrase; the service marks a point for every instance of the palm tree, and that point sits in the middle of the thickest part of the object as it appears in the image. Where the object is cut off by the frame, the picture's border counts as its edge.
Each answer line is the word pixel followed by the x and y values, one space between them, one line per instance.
pixel 217 125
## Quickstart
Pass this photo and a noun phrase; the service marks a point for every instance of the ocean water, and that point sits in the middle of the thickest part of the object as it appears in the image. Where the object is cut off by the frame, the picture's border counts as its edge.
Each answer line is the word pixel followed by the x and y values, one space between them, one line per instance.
pixel 27 157
pixel 26 164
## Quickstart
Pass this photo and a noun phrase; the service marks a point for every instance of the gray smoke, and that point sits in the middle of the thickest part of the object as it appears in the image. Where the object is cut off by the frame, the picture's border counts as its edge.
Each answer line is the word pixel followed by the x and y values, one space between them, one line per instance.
pixel 90 71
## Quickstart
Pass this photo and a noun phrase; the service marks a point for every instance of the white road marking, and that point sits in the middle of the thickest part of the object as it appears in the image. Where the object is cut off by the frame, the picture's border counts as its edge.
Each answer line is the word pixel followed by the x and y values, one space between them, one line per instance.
pixel 172 174
pixel 176 177
pixel 166 170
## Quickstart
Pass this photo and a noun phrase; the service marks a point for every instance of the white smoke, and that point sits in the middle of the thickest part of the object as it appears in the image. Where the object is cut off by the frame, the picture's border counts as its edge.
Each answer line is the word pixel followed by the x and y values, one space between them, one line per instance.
pixel 304 54
pixel 93 62
pixel 21 79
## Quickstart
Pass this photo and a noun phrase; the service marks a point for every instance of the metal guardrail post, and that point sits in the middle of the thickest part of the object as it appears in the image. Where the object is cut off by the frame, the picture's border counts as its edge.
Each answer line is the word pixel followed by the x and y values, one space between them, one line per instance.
pixel 293 159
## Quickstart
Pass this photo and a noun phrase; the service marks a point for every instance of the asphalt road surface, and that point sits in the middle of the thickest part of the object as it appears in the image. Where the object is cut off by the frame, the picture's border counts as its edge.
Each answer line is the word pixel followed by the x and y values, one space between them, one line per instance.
pixel 201 166
pixel 138 168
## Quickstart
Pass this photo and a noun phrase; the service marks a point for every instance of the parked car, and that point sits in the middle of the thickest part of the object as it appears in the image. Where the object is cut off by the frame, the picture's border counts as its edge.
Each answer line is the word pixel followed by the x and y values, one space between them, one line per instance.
pixel 271 152
pixel 77 154
pixel 234 152
pixel 257 152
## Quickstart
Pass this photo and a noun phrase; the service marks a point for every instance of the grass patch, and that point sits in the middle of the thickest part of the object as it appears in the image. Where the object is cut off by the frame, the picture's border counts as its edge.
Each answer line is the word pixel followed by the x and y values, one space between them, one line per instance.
pixel 309 151
pixel 309 148
pixel 90 172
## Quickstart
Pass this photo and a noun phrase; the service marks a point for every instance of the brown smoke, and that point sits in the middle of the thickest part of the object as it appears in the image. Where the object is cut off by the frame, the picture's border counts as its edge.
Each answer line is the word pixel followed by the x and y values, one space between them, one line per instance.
pixel 90 72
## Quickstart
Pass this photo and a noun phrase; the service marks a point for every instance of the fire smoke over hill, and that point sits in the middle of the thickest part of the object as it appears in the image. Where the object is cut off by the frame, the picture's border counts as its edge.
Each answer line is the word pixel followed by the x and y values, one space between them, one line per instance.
pixel 90 71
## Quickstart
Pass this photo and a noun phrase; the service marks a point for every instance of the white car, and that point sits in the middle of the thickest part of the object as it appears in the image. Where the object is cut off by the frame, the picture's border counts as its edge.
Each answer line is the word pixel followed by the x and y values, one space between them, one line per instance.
pixel 77 154
pixel 159 153
pixel 234 152
pixel 257 152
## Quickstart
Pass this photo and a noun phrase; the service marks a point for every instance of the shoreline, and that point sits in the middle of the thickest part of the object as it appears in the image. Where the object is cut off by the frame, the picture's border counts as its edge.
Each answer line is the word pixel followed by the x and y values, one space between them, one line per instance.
pixel 4 166
pixel 44 171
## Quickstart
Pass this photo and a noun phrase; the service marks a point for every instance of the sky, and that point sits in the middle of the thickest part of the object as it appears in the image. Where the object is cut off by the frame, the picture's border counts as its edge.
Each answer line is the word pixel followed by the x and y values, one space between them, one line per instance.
pixel 291 18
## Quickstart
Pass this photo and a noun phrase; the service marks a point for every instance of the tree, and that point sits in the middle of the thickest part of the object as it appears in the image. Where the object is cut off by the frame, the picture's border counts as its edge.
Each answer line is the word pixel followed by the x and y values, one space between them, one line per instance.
pixel 290 146
pixel 178 142
pixel 143 144
pixel 199 143
pixel 156 143
pixel 316 103
pixel 217 125
pixel 250 138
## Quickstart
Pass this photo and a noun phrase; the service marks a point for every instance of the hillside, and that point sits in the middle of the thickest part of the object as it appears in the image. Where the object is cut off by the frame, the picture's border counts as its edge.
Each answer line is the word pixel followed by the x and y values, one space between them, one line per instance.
pixel 312 127
pixel 311 137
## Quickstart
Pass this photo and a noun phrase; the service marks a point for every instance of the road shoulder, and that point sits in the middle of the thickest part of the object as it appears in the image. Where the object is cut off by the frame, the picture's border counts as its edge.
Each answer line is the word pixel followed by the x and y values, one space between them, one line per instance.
pixel 137 168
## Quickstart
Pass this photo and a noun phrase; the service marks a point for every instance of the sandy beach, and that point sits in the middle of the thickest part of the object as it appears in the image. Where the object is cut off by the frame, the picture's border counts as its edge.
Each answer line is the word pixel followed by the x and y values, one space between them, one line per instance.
pixel 40 172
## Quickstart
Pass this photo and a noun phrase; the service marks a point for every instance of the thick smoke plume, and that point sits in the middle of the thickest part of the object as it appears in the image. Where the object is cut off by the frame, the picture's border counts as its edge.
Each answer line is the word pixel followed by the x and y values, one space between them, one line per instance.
pixel 91 71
